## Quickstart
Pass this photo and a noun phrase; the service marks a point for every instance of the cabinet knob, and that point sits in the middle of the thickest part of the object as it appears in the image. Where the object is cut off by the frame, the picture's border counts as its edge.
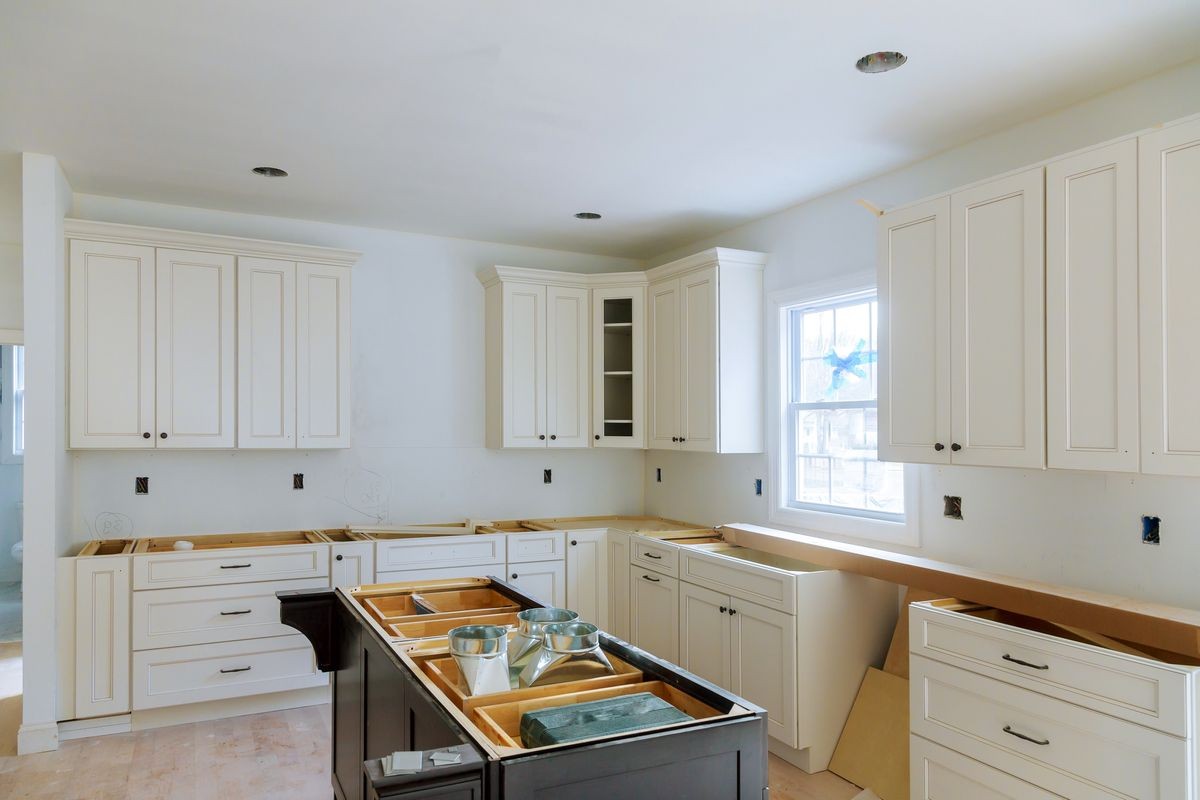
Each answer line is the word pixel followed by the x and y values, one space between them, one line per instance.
pixel 597 437
pixel 162 435
pixel 674 438
pixel 732 611
pixel 939 447
pixel 553 437
pixel 514 576
pixel 723 609
pixel 338 557
pixel 681 439
pixel 956 447
pixel 146 435
pixel 574 543
pixel 542 436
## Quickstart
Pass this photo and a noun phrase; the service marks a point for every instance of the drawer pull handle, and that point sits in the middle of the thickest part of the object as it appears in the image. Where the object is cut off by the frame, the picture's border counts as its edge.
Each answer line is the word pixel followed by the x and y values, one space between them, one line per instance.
pixel 234 613
pixel 235 669
pixel 1007 657
pixel 1041 742
pixel 647 577
pixel 234 566
pixel 652 555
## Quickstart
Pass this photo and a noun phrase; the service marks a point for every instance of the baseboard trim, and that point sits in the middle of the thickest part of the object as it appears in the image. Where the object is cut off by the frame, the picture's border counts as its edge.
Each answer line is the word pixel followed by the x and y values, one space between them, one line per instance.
pixel 99 726
pixel 231 707
pixel 40 738
pixel 797 758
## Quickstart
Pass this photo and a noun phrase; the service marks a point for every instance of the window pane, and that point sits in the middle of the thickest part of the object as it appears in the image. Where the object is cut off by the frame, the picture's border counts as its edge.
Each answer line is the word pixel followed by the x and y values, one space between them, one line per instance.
pixel 833 353
pixel 812 480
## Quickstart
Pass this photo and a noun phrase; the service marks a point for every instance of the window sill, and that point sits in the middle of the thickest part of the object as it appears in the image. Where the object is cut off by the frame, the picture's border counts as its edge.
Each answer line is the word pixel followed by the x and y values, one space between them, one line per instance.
pixel 873 530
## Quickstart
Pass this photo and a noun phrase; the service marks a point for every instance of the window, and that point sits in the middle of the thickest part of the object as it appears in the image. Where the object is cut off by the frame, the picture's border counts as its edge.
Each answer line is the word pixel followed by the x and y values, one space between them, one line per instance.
pixel 12 404
pixel 827 475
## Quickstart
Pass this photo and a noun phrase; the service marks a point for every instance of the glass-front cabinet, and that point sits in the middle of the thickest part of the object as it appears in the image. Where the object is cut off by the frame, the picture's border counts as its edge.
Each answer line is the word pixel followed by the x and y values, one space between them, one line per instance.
pixel 618 366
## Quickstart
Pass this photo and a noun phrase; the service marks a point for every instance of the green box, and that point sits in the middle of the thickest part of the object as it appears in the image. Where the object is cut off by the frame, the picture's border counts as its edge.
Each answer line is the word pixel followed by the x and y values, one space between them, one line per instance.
pixel 572 723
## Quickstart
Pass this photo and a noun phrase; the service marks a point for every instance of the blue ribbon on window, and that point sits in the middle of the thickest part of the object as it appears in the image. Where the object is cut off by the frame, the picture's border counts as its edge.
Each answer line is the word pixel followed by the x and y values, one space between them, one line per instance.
pixel 851 364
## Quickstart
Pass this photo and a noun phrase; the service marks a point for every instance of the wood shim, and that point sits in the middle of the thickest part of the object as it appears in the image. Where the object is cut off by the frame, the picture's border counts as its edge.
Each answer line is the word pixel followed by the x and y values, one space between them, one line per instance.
pixel 1166 628
pixel 873 750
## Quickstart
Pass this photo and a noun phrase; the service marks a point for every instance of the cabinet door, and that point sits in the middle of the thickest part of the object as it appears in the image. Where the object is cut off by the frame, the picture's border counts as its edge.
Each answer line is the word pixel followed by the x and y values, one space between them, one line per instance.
pixel 524 364
pixel 195 363
pixel 568 367
pixel 699 396
pixel 587 576
pixel 322 356
pixel 619 367
pixel 764 664
pixel 112 345
pixel 266 353
pixel 352 563
pixel 1169 207
pixel 663 417
pixel 704 633
pixel 618 584
pixel 997 322
pixel 914 334
pixel 544 581
pixel 102 594
pixel 654 613
pixel 1091 310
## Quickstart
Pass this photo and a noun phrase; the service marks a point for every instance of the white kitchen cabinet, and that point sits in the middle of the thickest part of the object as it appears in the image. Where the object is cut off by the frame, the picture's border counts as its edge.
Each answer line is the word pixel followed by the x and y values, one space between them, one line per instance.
pixel 536 546
pixel 618 584
pixel 705 391
pixel 568 366
pixel 545 581
pixel 1168 208
pixel 1092 310
pixel 763 670
pixel 705 643
pixel 351 563
pixel 937 772
pixel 322 356
pixel 619 366
pixel 102 636
pixel 977 334
pixel 266 353
pixel 587 576
pixel 112 343
pixel 654 612
pixel 195 371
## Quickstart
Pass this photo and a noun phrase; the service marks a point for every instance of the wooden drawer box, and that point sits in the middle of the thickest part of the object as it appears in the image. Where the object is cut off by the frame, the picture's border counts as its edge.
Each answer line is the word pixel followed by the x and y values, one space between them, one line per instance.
pixel 539 546
pixel 200 615
pixel 1060 747
pixel 439 552
pixel 654 555
pixel 1141 690
pixel 941 774
pixel 219 567
pixel 764 585
pixel 176 675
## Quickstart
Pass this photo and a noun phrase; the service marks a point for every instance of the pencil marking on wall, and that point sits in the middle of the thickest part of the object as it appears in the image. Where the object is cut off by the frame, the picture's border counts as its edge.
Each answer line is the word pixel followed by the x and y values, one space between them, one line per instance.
pixel 367 493
pixel 112 525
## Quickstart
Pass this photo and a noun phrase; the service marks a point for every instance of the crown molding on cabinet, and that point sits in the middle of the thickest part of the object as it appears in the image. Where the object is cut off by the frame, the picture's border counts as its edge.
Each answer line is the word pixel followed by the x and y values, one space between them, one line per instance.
pixel 547 277
pixel 725 256
pixel 208 242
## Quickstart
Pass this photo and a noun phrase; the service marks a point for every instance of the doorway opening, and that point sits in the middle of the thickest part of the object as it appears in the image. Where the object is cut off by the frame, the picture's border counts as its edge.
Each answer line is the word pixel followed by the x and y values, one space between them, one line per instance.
pixel 12 457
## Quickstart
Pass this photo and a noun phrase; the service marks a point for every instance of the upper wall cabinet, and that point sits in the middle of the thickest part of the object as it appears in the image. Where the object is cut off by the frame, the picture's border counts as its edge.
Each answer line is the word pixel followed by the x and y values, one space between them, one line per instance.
pixel 970 325
pixel 1169 213
pixel 619 366
pixel 184 340
pixel 1091 310
pixel 705 353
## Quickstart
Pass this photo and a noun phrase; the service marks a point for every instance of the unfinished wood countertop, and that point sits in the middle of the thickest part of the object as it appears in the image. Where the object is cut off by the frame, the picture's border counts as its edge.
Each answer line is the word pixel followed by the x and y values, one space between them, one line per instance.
pixel 1166 628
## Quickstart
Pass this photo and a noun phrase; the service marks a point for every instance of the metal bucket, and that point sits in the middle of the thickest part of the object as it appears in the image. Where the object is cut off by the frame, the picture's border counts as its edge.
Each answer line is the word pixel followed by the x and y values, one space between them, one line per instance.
pixel 570 652
pixel 527 641
pixel 481 654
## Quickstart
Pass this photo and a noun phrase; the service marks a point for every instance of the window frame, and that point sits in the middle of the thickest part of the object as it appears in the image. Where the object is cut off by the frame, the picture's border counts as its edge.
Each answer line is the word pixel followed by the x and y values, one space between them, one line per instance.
pixel 848 523
pixel 9 408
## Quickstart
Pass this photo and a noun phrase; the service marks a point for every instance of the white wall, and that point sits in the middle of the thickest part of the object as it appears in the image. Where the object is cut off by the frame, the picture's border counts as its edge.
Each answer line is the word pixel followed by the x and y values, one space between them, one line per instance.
pixel 418 407
pixel 1070 527
pixel 11 314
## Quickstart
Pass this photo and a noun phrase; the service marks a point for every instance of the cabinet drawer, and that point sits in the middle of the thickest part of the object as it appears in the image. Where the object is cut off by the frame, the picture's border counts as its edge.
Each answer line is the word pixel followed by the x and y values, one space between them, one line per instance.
pixel 205 614
pixel 654 555
pixel 1147 692
pixel 768 587
pixel 941 774
pixel 439 551
pixel 477 571
pixel 1070 750
pixel 540 546
pixel 177 675
pixel 235 565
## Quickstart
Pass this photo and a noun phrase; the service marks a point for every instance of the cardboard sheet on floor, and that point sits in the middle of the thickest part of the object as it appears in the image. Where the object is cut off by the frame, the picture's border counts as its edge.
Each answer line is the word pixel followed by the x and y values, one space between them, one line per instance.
pixel 873 750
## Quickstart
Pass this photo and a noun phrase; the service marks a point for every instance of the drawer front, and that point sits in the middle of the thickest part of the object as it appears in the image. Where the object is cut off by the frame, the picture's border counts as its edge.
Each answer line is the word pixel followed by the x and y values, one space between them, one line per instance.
pixel 440 551
pixel 654 555
pixel 1142 691
pixel 235 565
pixel 206 614
pixel 477 571
pixel 940 774
pixel 540 546
pixel 1045 741
pixel 177 675
pixel 768 587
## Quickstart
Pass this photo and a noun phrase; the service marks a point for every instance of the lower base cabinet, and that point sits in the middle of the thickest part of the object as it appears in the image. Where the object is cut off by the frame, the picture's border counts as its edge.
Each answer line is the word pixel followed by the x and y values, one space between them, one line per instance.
pixel 587 573
pixel 618 584
pixel 940 773
pixel 654 612
pixel 544 580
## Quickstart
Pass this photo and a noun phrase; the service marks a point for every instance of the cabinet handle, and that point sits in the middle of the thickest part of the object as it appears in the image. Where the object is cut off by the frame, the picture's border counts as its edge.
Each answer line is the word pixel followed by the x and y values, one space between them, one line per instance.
pixel 514 576
pixel 146 435
pixel 162 435
pixel 574 543
pixel 1007 657
pixel 337 557
pixel 652 580
pixel 234 613
pixel 956 447
pixel 1019 735
pixel 597 437
pixel 542 437
pixel 723 609
pixel 235 669
pixel 234 566
pixel 939 447
pixel 652 555
pixel 732 611
pixel 553 437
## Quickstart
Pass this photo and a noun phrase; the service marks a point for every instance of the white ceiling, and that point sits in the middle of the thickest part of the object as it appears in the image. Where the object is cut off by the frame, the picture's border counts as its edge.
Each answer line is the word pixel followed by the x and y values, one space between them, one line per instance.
pixel 497 120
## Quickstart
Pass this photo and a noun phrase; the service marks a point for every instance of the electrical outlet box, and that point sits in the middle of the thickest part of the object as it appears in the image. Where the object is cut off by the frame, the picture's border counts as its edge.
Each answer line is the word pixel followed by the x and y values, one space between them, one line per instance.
pixel 658 474
pixel 952 506
pixel 758 487
pixel 141 486
pixel 298 480
pixel 545 476
pixel 1150 530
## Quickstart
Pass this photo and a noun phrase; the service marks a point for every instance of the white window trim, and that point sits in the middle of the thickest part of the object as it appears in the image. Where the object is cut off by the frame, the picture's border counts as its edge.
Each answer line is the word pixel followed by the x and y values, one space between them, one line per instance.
pixel 7 411
pixel 849 525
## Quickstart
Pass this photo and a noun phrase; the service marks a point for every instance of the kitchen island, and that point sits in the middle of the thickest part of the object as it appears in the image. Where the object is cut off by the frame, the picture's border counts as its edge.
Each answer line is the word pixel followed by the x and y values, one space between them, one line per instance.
pixel 396 688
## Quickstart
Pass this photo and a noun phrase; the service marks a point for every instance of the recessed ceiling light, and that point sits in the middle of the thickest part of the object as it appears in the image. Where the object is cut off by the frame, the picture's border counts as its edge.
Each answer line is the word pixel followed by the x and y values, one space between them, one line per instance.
pixel 883 61
pixel 270 172
pixel 587 215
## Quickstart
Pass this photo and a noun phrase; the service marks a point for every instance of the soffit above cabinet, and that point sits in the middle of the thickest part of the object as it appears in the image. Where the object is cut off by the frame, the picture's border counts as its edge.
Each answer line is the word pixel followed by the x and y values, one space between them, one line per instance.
pixel 207 242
